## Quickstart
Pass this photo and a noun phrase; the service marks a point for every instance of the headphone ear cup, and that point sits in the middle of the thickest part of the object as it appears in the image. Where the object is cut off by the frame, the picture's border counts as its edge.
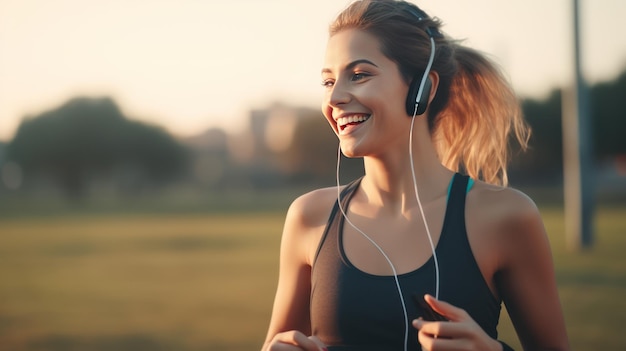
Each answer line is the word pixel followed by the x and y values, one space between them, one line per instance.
pixel 412 95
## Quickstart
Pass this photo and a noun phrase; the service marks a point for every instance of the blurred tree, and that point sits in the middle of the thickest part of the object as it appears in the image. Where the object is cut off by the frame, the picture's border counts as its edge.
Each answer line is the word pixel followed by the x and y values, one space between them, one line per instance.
pixel 544 160
pixel 88 137
pixel 608 106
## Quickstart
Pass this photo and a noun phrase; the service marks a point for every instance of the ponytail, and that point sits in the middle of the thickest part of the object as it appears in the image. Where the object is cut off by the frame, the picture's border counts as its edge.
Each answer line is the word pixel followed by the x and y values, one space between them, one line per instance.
pixel 471 132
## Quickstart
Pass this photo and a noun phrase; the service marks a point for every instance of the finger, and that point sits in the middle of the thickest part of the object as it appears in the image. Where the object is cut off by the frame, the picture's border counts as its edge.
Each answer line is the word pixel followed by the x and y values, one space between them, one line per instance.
pixel 425 340
pixel 294 338
pixel 318 342
pixel 433 329
pixel 449 330
pixel 450 311
pixel 429 342
pixel 442 330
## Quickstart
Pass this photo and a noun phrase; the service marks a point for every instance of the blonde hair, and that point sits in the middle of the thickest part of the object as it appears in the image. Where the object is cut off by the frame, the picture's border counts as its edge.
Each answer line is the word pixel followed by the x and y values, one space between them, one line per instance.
pixel 474 111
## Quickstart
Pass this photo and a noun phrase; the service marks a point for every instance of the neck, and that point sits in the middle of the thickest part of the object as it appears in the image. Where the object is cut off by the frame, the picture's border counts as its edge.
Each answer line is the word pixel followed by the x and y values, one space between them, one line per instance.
pixel 388 180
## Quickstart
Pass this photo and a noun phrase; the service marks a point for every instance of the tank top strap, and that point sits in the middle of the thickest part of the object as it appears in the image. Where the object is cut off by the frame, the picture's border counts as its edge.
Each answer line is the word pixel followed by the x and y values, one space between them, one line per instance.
pixel 470 183
pixel 348 192
pixel 456 197
pixel 332 223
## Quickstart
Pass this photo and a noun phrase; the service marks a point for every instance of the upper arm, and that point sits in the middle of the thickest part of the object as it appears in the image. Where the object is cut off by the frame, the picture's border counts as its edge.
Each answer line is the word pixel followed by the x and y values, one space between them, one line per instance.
pixel 303 224
pixel 526 279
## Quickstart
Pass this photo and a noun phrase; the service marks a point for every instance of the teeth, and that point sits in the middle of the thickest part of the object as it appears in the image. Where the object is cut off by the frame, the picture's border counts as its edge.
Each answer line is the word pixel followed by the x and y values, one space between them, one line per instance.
pixel 352 119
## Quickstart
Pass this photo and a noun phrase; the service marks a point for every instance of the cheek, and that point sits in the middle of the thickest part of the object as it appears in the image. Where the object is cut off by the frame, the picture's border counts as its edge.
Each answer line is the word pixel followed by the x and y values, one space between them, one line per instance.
pixel 327 111
pixel 395 93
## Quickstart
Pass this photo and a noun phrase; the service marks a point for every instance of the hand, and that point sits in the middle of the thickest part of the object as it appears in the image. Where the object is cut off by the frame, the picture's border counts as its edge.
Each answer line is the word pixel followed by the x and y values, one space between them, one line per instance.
pixel 461 332
pixel 295 341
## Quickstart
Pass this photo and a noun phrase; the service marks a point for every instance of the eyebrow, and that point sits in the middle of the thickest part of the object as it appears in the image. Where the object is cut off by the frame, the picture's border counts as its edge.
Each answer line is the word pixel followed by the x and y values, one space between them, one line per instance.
pixel 352 64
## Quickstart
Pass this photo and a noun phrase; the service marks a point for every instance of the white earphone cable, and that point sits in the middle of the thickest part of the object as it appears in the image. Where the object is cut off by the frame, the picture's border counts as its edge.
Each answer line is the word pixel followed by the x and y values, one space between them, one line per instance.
pixel 417 196
pixel 393 268
pixel 430 239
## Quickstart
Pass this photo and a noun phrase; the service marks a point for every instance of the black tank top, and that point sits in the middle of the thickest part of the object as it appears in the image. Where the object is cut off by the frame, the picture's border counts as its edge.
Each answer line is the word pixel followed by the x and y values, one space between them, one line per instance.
pixel 355 310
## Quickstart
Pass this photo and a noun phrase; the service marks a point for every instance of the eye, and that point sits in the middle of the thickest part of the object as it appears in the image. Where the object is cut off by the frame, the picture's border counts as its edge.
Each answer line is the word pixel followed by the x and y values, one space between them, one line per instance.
pixel 357 76
pixel 327 83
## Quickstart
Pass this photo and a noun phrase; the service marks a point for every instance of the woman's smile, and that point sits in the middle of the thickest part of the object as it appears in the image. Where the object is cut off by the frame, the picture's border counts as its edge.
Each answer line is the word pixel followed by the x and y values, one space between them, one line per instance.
pixel 349 123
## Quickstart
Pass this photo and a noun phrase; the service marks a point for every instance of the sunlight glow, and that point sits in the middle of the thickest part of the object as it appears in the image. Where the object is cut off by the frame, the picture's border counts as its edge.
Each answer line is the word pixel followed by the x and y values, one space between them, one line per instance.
pixel 191 65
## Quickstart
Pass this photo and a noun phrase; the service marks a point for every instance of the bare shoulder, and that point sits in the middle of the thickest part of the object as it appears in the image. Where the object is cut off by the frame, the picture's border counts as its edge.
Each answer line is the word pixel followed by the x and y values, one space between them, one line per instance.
pixel 504 220
pixel 501 204
pixel 313 208
pixel 306 220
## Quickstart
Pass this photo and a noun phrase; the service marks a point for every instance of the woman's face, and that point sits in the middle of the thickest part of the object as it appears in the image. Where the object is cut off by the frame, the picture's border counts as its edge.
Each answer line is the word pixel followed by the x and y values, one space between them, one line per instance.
pixel 364 94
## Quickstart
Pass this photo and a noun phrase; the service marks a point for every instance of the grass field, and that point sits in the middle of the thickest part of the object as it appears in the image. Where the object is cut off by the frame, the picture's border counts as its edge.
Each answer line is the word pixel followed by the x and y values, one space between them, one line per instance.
pixel 206 282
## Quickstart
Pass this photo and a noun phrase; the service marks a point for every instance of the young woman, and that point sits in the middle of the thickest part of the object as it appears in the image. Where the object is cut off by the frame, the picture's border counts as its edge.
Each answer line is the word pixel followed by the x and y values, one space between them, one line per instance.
pixel 361 265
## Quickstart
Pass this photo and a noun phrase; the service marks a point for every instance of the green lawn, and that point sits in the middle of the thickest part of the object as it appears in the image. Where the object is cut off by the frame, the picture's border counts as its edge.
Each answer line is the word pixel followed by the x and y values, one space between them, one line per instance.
pixel 206 282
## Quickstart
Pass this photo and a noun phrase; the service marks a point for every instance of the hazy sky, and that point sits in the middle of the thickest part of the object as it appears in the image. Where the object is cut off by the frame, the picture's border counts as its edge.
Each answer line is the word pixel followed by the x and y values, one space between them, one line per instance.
pixel 189 65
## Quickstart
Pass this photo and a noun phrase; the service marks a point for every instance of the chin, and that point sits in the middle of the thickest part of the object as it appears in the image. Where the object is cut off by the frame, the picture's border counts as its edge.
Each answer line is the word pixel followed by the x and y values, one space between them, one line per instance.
pixel 351 151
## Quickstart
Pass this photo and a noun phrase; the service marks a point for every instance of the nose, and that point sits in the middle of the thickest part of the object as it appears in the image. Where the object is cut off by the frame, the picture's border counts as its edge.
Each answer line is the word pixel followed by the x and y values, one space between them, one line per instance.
pixel 339 95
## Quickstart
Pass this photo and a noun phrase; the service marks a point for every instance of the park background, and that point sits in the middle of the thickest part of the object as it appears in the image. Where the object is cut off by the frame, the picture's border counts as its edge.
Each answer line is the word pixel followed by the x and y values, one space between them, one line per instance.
pixel 149 151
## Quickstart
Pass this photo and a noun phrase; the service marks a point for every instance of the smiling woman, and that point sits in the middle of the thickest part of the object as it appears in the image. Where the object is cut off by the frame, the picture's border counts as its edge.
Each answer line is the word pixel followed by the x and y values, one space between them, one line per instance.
pixel 432 216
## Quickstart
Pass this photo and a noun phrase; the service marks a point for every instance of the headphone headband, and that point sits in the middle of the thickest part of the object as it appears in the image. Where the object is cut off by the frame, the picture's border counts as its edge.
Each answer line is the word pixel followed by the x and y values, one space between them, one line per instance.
pixel 433 32
pixel 419 89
